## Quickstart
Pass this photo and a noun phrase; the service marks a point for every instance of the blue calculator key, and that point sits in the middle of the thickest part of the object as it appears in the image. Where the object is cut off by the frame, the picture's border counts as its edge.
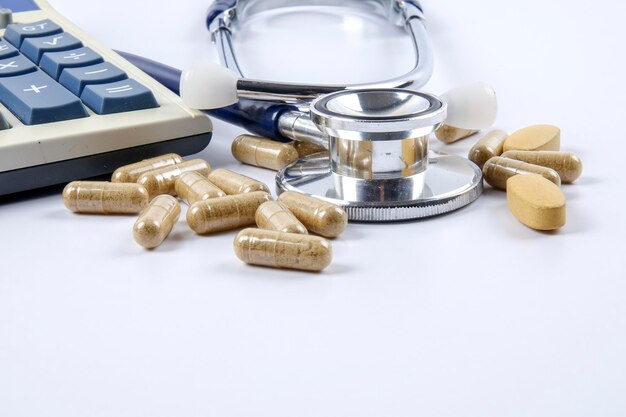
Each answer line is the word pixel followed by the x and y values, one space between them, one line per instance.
pixel 34 48
pixel 75 79
pixel 54 62
pixel 36 98
pixel 16 33
pixel 7 50
pixel 121 96
pixel 16 65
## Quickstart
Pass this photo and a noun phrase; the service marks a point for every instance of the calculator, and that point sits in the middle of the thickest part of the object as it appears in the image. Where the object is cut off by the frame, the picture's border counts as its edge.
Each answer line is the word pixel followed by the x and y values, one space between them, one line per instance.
pixel 71 108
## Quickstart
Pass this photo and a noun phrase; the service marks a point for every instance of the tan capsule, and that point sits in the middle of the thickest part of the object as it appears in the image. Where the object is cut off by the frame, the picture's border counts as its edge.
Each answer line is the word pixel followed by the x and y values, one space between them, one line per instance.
pixel 486 148
pixel 536 202
pixel 225 213
pixel 568 165
pixel 101 197
pixel 450 134
pixel 498 170
pixel 233 183
pixel 318 216
pixel 534 138
pixel 163 180
pixel 132 172
pixel 274 216
pixel 156 221
pixel 283 250
pixel 192 187
pixel 306 148
pixel 261 152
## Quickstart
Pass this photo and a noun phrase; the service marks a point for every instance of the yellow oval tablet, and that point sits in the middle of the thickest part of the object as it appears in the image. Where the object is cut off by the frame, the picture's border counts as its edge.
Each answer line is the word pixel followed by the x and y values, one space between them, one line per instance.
pixel 536 202
pixel 534 138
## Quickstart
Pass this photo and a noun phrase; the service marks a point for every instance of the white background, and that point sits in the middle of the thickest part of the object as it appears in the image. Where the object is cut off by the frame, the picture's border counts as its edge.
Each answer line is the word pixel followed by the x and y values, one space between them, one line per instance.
pixel 467 314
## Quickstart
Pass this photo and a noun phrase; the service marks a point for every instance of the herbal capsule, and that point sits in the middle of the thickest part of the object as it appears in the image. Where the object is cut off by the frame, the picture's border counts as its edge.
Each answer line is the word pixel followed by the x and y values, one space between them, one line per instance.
pixel 534 138
pixel 536 202
pixel 450 134
pixel 162 180
pixel 498 170
pixel 318 216
pixel 274 216
pixel 132 172
pixel 233 183
pixel 100 197
pixel 306 148
pixel 261 152
pixel 568 165
pixel 486 148
pixel 192 187
pixel 225 213
pixel 283 250
pixel 156 221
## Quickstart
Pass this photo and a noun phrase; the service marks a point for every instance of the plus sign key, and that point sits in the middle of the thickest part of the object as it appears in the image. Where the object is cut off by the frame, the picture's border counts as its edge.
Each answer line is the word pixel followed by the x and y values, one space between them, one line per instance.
pixel 54 63
pixel 18 32
pixel 36 98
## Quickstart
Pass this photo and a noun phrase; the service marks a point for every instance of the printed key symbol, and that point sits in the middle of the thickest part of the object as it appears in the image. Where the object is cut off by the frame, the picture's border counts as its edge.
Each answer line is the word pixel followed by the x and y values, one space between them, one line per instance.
pixel 35 89
pixel 54 41
pixel 119 89
pixel 74 56
pixel 11 64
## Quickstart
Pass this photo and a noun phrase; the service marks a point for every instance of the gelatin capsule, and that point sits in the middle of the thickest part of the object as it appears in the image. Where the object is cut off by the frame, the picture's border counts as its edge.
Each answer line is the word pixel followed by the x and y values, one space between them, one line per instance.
pixel 568 165
pixel 534 138
pixel 156 221
pixel 306 148
pixel 318 216
pixel 132 172
pixel 450 134
pixel 233 183
pixel 486 148
pixel 272 215
pixel 225 213
pixel 498 170
pixel 536 202
pixel 163 180
pixel 192 187
pixel 283 250
pixel 101 197
pixel 261 152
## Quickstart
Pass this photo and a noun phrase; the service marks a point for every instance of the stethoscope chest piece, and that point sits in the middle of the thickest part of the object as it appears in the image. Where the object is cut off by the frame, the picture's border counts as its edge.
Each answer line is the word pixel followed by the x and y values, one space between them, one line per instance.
pixel 378 167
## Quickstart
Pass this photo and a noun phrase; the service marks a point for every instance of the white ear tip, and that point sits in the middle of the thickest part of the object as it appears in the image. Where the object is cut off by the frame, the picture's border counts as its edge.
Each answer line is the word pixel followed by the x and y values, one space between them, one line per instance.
pixel 205 85
pixel 473 106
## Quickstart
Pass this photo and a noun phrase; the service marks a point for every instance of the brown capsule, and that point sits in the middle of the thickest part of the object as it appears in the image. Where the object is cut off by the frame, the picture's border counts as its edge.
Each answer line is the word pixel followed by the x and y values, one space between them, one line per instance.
pixel 225 213
pixel 163 180
pixel 498 170
pixel 156 221
pixel 536 202
pixel 192 187
pixel 568 165
pixel 486 148
pixel 318 216
pixel 100 197
pixel 534 138
pixel 306 148
pixel 274 216
pixel 233 183
pixel 261 152
pixel 132 172
pixel 283 250
pixel 450 134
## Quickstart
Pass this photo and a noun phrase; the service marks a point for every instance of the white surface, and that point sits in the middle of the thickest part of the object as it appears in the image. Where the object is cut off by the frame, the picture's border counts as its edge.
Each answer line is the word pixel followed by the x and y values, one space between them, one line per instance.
pixel 468 314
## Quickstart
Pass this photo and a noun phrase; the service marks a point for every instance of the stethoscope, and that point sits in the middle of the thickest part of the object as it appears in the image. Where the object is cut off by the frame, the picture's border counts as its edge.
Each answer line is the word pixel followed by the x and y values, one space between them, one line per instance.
pixel 377 164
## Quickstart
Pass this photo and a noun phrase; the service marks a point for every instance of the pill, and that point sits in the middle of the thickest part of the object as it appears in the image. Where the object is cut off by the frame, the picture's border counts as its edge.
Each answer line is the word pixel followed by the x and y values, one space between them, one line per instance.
pixel 272 215
pixel 498 170
pixel 568 165
pixel 318 216
pixel 534 138
pixel 192 187
pixel 264 153
pixel 225 213
pixel 283 250
pixel 156 221
pixel 536 202
pixel 163 180
pixel 486 148
pixel 450 134
pixel 233 183
pixel 306 148
pixel 101 197
pixel 132 172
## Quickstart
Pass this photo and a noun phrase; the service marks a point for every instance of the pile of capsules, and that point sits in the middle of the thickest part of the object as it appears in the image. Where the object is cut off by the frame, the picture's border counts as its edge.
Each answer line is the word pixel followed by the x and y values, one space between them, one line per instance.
pixel 529 165
pixel 218 200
